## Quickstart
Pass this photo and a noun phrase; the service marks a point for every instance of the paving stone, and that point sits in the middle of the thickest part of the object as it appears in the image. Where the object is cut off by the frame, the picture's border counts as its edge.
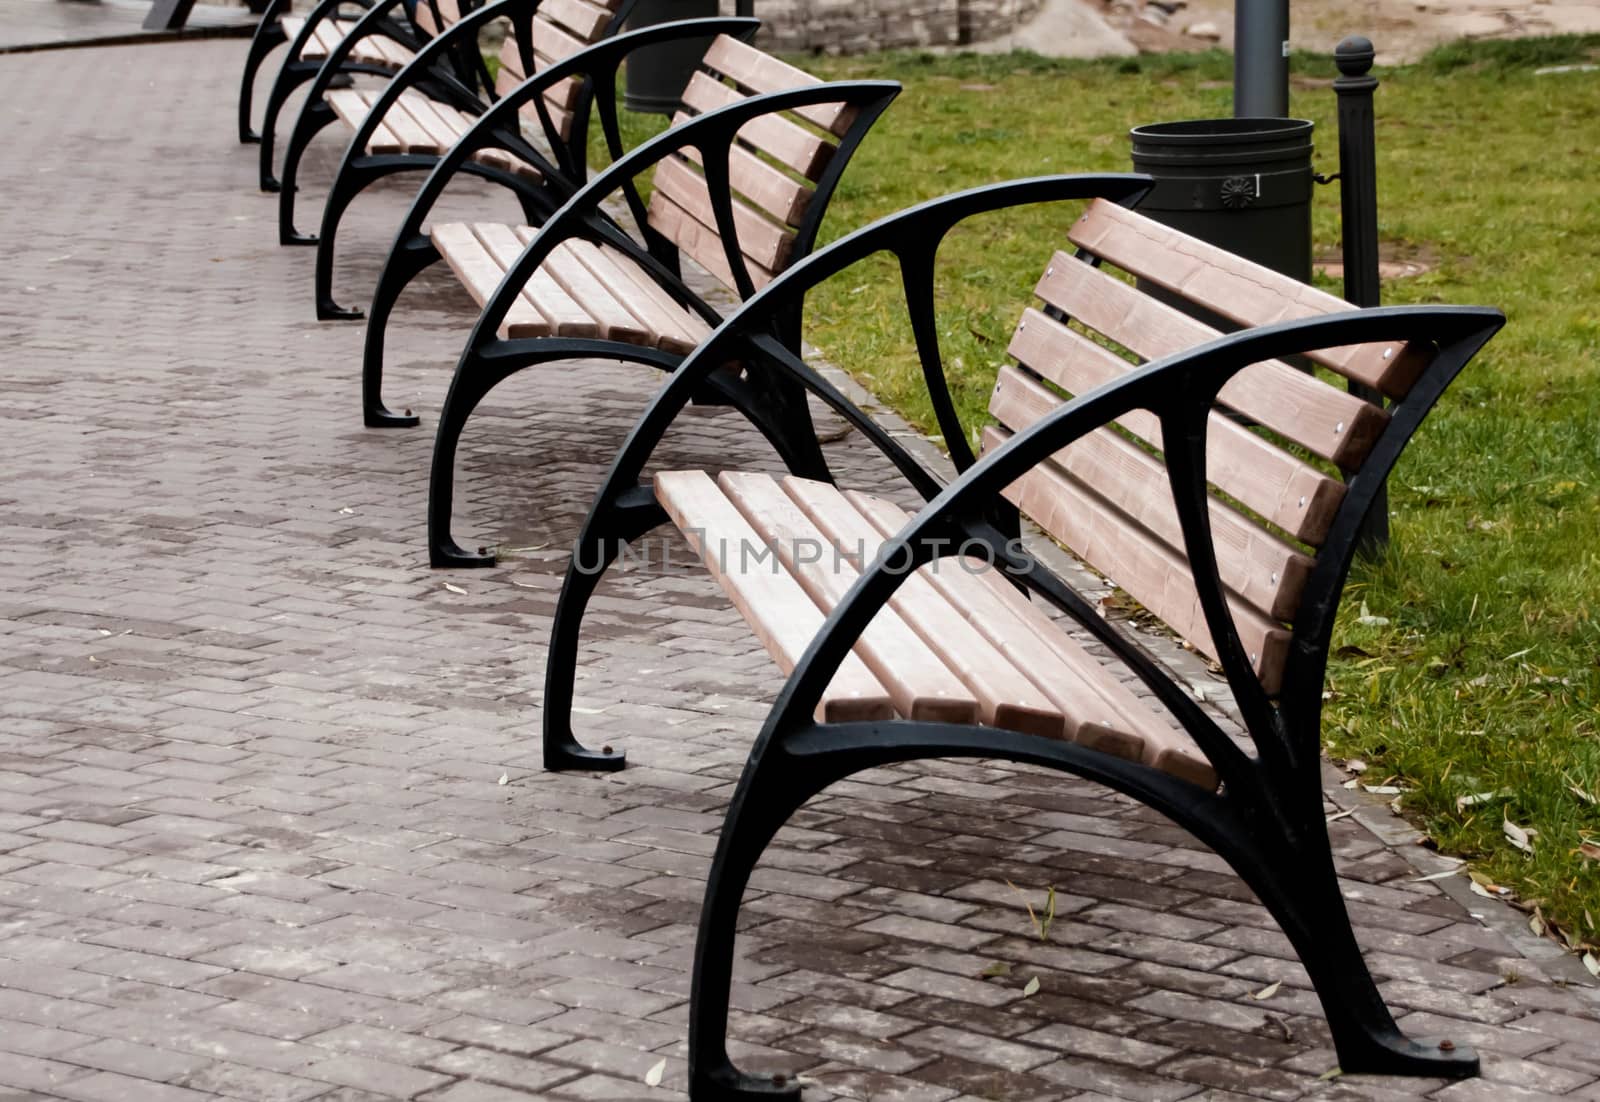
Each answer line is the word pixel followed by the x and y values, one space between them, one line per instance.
pixel 256 849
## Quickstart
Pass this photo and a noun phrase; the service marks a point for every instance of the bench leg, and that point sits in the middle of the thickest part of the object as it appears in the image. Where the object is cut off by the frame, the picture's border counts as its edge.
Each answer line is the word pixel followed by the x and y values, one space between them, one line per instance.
pixel 268 37
pixel 313 117
pixel 355 176
pixel 291 76
pixel 405 262
pixel 1299 885
pixel 774 786
pixel 476 375
pixel 351 181
pixel 608 528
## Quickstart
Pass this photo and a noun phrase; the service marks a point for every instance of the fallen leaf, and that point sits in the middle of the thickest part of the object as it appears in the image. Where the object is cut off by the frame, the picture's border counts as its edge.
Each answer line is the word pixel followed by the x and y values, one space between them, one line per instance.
pixel 453 588
pixel 998 968
pixel 1536 924
pixel 1590 851
pixel 1267 992
pixel 1479 889
pixel 1383 789
pixel 1370 620
pixel 1517 836
pixel 1586 797
pixel 1337 815
pixel 1356 765
pixel 1445 875
pixel 1592 965
pixel 1331 1073
pixel 652 1078
pixel 505 778
pixel 1476 798
pixel 1032 988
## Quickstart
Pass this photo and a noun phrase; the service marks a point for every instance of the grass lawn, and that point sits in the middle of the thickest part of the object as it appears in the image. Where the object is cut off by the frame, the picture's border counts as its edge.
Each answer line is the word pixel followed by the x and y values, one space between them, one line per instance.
pixel 1478 669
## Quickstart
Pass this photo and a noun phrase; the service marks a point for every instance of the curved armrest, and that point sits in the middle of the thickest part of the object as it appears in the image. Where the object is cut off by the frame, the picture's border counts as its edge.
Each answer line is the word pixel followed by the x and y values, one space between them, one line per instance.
pixel 499 125
pixel 377 19
pixel 1180 390
pixel 913 237
pixel 711 135
pixel 424 66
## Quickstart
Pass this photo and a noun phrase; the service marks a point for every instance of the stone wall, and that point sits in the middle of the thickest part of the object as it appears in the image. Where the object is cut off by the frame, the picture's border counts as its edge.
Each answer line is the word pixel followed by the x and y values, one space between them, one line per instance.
pixel 855 26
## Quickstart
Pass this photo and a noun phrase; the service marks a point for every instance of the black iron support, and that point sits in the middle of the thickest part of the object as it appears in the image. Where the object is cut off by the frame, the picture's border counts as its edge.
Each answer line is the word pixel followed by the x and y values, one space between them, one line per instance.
pixel 1358 217
pixel 1261 59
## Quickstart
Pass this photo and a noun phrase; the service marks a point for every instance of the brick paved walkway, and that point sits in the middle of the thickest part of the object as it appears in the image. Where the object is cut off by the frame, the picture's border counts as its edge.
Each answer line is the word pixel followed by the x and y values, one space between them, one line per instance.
pixel 251 837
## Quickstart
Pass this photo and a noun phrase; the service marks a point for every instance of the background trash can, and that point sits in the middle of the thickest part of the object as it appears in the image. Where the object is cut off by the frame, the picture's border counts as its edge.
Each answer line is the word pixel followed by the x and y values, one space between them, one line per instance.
pixel 656 75
pixel 1243 184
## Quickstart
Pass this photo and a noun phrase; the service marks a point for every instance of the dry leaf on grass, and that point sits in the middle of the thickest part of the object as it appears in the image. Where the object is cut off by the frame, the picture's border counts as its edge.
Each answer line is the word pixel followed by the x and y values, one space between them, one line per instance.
pixel 652 1078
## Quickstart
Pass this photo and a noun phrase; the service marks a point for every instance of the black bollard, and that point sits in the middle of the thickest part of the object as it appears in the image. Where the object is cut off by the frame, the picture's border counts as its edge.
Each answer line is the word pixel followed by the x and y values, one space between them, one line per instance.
pixel 1358 202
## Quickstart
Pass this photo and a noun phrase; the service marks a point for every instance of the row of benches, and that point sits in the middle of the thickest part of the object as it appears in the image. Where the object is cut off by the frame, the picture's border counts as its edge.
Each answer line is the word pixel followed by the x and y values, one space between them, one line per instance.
pixel 1220 486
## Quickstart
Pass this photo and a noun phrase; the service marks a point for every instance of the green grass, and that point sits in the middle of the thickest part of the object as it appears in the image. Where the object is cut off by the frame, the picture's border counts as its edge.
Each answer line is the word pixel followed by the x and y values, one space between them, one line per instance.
pixel 1486 676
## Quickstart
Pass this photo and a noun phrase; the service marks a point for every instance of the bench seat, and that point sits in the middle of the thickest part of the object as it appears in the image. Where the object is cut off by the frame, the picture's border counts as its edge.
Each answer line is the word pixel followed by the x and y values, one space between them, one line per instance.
pixel 418 124
pixel 372 50
pixel 582 290
pixel 958 643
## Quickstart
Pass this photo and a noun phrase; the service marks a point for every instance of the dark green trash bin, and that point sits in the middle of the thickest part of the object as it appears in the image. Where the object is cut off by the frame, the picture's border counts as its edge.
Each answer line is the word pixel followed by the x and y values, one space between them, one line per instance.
pixel 1242 184
pixel 656 75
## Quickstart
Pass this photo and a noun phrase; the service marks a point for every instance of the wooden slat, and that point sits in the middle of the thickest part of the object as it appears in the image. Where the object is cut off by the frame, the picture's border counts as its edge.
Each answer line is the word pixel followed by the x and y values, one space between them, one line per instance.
pixel 775 135
pixel 327 38
pixel 1152 573
pixel 444 124
pixel 760 72
pixel 422 16
pixel 566 317
pixel 480 273
pixel 511 62
pixel 389 52
pixel 1328 422
pixel 767 187
pixel 764 242
pixel 698 241
pixel 1100 711
pixel 674 327
pixel 1262 569
pixel 552 41
pixel 351 106
pixel 1237 289
pixel 449 11
pixel 411 133
pixel 1285 490
pixel 920 685
pixel 584 20
pixel 1005 697
pixel 615 321
pixel 777 609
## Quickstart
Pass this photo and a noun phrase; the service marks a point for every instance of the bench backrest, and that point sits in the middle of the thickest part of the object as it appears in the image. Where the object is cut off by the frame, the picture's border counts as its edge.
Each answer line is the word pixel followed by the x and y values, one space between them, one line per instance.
pixel 773 167
pixel 560 28
pixel 434 17
pixel 1107 497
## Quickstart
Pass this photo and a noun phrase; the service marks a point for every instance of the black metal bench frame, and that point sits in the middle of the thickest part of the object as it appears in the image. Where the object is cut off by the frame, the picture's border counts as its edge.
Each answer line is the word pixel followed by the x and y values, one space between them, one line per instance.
pixel 447 68
pixel 1267 820
pixel 496 128
pixel 773 404
pixel 386 17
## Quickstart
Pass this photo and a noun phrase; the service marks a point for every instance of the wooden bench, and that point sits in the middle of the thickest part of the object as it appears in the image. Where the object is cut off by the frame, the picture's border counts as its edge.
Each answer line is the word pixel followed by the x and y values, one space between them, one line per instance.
pixel 582 287
pixel 928 636
pixel 409 121
pixel 372 37
pixel 539 151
